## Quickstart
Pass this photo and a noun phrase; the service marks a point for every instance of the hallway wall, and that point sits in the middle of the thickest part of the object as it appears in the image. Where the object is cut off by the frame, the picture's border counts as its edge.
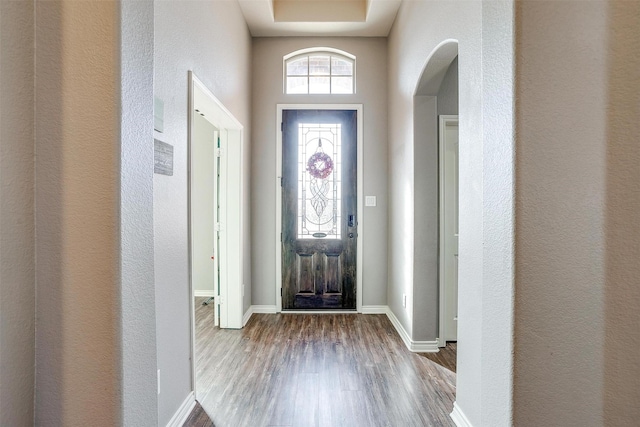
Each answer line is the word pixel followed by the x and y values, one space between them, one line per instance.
pixel 578 169
pixel 17 227
pixel 94 154
pixel 427 108
pixel 481 29
pixel 371 79
pixel 212 39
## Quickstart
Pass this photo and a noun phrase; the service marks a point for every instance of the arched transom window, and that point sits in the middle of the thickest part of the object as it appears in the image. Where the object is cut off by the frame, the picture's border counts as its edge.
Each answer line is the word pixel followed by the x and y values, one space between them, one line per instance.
pixel 319 71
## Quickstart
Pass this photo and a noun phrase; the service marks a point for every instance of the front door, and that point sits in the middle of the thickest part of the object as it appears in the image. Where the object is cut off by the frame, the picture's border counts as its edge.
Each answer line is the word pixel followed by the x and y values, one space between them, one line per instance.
pixel 319 209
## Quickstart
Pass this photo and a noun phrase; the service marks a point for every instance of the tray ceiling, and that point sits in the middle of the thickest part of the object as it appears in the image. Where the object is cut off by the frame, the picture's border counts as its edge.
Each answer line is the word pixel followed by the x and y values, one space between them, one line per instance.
pixel 364 18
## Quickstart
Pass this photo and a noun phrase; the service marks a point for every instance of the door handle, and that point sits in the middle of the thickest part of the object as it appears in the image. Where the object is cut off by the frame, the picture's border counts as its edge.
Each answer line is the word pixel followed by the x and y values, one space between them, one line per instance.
pixel 352 220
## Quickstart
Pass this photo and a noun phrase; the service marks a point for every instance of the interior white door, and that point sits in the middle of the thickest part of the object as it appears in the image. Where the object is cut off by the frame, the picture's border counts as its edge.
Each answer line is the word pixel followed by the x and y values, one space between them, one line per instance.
pixel 449 223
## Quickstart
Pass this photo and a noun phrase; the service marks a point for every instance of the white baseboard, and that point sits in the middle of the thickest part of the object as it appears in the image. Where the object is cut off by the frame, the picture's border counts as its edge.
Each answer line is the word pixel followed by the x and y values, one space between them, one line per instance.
pixel 268 309
pixel 459 417
pixel 414 346
pixel 374 309
pixel 205 293
pixel 247 316
pixel 183 411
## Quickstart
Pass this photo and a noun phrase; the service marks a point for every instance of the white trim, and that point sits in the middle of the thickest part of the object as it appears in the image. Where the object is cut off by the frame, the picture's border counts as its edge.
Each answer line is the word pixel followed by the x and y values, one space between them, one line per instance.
pixel 231 133
pixel 374 309
pixel 458 417
pixel 257 309
pixel 414 346
pixel 206 293
pixel 183 411
pixel 319 312
pixel 442 333
pixel 360 192
pixel 266 309
pixel 247 316
pixel 319 51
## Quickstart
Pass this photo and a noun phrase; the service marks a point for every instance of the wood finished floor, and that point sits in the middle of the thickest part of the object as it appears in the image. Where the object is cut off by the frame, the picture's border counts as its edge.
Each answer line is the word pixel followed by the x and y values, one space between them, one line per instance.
pixel 298 370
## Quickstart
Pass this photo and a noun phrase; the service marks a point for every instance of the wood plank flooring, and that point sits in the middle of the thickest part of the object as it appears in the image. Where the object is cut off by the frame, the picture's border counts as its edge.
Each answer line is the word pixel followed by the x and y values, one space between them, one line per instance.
pixel 316 370
pixel 446 357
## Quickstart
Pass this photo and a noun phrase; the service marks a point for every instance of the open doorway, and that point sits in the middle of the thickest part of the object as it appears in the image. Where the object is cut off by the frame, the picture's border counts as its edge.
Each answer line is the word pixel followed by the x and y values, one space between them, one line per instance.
pixel 436 200
pixel 215 220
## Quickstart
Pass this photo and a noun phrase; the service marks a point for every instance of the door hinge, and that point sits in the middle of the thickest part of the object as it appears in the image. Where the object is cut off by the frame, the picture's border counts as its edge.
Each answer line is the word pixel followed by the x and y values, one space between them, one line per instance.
pixel 281 126
pixel 280 291
pixel 219 152
pixel 218 226
pixel 281 237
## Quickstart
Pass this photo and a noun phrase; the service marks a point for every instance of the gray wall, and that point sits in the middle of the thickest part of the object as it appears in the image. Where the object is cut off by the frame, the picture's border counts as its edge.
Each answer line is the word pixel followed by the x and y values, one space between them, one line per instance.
pixel 425 302
pixel 17 276
pixel 418 31
pixel 212 39
pixel 371 57
pixel 448 93
pixel 427 108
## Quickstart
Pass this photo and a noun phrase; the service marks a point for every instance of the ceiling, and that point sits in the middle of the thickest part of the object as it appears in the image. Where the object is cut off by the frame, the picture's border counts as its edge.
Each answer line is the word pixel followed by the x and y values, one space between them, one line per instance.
pixel 362 18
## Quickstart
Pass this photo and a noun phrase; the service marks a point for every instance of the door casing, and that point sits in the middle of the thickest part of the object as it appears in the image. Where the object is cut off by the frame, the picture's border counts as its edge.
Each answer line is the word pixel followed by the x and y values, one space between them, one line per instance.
pixel 230 196
pixel 360 197
pixel 444 332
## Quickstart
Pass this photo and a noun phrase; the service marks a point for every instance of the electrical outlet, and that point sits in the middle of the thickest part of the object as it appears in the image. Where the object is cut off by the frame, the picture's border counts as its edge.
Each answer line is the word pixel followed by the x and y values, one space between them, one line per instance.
pixel 158 381
pixel 404 300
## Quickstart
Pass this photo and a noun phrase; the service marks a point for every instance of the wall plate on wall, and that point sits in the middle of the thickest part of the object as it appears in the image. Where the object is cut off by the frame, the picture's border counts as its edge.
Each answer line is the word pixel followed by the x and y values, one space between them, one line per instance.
pixel 370 201
pixel 163 158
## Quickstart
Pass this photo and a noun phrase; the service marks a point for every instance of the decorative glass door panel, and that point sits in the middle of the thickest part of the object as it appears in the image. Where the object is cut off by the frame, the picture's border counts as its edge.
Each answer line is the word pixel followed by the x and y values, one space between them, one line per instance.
pixel 319 227
pixel 319 183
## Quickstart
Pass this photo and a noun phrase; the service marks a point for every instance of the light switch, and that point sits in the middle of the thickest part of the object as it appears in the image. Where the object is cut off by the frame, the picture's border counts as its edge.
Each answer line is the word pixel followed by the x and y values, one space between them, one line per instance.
pixel 370 201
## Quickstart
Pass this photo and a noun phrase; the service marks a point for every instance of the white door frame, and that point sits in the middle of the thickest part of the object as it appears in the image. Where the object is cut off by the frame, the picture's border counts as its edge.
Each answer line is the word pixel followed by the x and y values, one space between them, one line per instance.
pixel 361 217
pixel 443 122
pixel 231 134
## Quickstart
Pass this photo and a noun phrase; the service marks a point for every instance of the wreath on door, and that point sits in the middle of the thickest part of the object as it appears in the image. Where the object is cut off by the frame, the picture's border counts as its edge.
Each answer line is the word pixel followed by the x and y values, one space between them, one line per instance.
pixel 320 165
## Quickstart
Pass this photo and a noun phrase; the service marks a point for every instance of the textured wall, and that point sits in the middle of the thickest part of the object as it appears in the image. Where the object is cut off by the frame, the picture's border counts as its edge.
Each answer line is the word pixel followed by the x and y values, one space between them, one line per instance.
pixel 419 28
pixel 371 92
pixel 137 287
pixel 210 38
pixel 17 276
pixel 77 177
pixel 622 227
pixel 443 99
pixel 577 297
pixel 448 93
pixel 496 352
pixel 561 186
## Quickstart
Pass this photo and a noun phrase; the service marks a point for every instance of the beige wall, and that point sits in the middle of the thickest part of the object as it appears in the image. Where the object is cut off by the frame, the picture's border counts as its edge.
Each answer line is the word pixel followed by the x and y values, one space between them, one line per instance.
pixel 17 274
pixel 577 293
pixel 76 216
pixel 371 57
pixel 89 204
pixel 210 38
